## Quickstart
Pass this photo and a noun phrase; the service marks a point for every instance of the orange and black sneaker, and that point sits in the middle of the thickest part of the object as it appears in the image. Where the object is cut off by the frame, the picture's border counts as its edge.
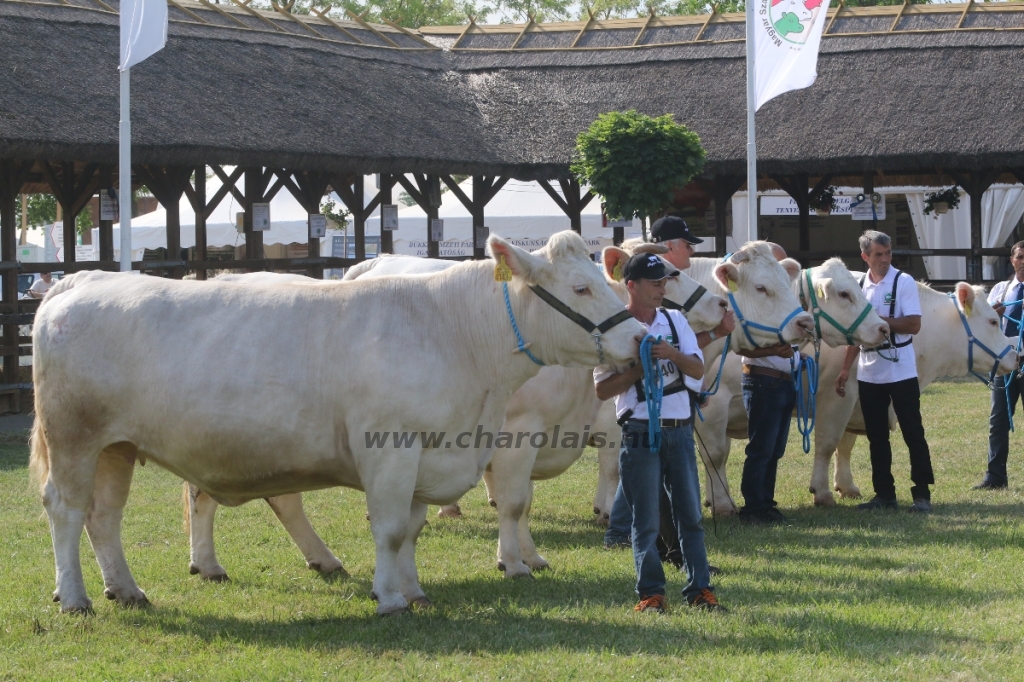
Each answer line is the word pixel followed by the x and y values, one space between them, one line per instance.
pixel 655 602
pixel 706 601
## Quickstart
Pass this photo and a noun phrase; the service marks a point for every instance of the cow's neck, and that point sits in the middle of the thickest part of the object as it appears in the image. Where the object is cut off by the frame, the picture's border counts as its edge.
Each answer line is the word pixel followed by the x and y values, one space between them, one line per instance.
pixel 945 354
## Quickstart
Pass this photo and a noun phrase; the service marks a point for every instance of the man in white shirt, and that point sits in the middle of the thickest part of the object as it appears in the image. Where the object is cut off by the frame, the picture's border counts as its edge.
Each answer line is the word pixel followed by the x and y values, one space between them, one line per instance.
pixel 1005 298
pixel 41 285
pixel 643 472
pixel 888 374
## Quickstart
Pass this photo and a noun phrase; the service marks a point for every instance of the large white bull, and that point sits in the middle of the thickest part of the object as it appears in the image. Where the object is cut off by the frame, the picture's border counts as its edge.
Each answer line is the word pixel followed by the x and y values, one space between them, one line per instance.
pixel 558 406
pixel 941 349
pixel 137 368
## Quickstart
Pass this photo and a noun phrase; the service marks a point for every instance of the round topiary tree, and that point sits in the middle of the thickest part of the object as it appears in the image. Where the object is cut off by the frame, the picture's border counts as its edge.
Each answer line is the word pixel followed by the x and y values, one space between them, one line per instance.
pixel 635 162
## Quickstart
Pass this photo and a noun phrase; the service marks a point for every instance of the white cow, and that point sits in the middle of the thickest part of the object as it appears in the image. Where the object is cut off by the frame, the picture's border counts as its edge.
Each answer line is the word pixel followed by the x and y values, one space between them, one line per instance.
pixel 940 348
pixel 764 291
pixel 559 397
pixel 137 368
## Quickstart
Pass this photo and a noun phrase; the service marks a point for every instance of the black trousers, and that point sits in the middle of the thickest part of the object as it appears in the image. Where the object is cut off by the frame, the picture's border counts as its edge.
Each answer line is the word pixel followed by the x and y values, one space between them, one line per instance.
pixel 905 397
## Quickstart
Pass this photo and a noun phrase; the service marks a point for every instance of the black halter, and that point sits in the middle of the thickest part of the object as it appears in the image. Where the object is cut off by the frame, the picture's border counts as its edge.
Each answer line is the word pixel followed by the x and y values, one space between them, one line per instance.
pixel 595 330
pixel 690 302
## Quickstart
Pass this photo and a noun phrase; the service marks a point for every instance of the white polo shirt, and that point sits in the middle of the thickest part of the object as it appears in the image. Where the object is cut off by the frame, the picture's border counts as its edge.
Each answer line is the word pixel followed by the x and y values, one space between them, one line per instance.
pixel 871 368
pixel 775 362
pixel 1003 292
pixel 677 405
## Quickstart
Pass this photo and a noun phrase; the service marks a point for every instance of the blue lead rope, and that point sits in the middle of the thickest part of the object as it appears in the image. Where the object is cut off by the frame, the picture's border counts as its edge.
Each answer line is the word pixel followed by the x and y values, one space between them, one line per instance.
pixel 520 344
pixel 654 386
pixel 806 404
pixel 713 389
pixel 1013 375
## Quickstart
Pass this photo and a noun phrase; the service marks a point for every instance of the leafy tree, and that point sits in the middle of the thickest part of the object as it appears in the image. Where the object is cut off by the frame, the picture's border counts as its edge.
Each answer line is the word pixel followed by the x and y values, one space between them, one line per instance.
pixel 636 162
pixel 407 13
pixel 518 11
pixel 42 209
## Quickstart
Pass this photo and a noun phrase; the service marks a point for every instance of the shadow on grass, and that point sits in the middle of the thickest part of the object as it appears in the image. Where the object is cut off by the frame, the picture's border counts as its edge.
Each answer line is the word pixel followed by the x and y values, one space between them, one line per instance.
pixel 13 451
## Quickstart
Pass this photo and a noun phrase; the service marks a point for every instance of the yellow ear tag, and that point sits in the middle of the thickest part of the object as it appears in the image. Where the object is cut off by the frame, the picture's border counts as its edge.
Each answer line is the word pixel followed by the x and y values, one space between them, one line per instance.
pixel 502 272
pixel 821 291
pixel 617 272
pixel 967 309
pixel 733 286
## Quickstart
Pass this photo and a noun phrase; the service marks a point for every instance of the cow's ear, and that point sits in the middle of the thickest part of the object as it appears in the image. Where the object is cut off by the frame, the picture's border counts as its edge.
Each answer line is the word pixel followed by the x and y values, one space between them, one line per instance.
pixel 521 262
pixel 821 288
pixel 728 275
pixel 792 267
pixel 614 261
pixel 965 297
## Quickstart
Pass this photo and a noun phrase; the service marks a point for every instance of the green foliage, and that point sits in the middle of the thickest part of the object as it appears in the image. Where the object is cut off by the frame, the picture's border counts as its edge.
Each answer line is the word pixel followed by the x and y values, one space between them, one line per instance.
pixel 407 13
pixel 336 213
pixel 518 11
pixel 42 209
pixel 635 162
pixel 950 195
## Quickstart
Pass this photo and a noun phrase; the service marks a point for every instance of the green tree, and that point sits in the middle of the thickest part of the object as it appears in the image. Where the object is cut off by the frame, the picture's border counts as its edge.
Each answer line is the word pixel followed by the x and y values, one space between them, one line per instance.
pixel 42 209
pixel 635 162
pixel 407 13
pixel 519 11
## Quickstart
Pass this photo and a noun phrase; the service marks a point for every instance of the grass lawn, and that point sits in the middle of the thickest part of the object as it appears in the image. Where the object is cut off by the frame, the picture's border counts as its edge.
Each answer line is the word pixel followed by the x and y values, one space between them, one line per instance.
pixel 839 595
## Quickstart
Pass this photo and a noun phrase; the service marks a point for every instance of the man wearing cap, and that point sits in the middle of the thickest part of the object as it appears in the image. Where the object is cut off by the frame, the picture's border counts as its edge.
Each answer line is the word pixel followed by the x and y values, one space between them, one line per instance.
pixel 643 472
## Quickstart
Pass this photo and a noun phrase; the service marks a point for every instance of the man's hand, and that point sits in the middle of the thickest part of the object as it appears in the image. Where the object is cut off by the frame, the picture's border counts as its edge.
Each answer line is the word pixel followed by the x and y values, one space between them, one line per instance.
pixel 1000 309
pixel 844 376
pixel 660 350
pixel 726 326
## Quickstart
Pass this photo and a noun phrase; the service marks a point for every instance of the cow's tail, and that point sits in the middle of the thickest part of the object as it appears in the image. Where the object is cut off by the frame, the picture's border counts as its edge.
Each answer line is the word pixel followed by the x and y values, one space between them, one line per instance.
pixel 186 504
pixel 39 461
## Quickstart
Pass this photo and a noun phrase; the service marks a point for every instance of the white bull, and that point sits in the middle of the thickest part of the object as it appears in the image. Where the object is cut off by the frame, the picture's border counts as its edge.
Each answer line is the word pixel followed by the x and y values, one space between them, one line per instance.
pixel 941 349
pixel 559 402
pixel 764 291
pixel 137 368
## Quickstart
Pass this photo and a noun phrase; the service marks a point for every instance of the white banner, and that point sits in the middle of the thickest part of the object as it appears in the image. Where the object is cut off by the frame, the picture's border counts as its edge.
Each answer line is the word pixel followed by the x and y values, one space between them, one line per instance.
pixel 786 205
pixel 143 30
pixel 787 36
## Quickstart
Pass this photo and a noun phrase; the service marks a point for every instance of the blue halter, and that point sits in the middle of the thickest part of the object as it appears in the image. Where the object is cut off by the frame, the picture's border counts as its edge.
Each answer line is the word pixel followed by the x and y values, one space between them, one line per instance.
pixel 746 324
pixel 971 343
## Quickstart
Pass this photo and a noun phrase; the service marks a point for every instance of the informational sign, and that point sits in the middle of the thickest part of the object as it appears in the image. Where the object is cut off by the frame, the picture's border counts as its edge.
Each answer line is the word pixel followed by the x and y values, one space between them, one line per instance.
pixel 338 246
pixel 108 204
pixel 84 252
pixel 260 217
pixel 317 225
pixel 867 210
pixel 775 205
pixel 55 242
pixel 389 217
pixel 240 221
pixel 437 230
pixel 480 234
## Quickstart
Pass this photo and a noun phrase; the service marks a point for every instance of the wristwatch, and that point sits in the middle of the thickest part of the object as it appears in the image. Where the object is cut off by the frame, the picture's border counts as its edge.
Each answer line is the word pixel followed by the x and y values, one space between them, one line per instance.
pixel 712 334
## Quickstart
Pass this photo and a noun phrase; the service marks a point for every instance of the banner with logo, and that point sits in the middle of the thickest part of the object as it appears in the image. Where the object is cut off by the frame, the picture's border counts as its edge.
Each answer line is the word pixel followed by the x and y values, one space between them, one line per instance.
pixel 787 35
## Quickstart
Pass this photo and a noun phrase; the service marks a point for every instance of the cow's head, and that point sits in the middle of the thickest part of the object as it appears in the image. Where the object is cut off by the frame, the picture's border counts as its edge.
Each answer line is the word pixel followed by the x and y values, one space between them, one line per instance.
pixel 762 288
pixel 704 313
pixel 563 268
pixel 838 296
pixel 984 323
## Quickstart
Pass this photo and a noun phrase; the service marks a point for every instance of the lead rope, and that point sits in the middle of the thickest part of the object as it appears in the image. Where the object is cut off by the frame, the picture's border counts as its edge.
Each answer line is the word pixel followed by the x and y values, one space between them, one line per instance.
pixel 713 389
pixel 1013 374
pixel 806 407
pixel 654 386
pixel 521 346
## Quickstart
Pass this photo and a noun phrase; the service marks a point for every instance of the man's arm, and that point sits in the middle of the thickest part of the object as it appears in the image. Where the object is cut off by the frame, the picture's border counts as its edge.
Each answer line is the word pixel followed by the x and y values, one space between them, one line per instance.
pixel 782 350
pixel 618 383
pixel 844 373
pixel 911 324
pixel 723 329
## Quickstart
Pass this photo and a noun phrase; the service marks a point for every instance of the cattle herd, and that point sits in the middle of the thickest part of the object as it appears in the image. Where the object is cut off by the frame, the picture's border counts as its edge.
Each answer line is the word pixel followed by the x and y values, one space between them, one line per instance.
pixel 133 369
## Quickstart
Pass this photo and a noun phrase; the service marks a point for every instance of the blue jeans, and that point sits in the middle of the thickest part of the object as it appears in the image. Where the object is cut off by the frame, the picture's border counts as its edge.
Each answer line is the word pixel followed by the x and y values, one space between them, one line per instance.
pixel 999 430
pixel 620 518
pixel 642 475
pixel 769 404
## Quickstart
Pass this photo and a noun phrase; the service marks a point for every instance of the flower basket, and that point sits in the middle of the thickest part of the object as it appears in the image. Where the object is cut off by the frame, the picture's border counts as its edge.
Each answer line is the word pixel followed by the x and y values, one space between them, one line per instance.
pixel 941 202
pixel 941 207
pixel 824 202
pixel 822 211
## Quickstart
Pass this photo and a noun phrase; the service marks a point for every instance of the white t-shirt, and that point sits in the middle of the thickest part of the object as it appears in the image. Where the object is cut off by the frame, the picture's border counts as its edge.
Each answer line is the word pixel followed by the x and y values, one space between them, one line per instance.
pixel 1003 292
pixel 39 287
pixel 872 368
pixel 775 362
pixel 677 405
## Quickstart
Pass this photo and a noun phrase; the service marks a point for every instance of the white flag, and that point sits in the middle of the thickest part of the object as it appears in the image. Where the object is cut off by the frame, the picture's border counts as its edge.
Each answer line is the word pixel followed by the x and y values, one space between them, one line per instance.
pixel 787 34
pixel 143 30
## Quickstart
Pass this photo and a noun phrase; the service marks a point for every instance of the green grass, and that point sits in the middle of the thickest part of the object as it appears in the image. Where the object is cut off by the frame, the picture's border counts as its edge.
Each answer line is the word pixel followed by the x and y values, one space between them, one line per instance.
pixel 838 595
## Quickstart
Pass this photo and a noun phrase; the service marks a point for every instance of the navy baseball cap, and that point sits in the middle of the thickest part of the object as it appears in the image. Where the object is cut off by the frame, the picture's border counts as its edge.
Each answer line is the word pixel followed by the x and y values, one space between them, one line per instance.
pixel 647 266
pixel 672 227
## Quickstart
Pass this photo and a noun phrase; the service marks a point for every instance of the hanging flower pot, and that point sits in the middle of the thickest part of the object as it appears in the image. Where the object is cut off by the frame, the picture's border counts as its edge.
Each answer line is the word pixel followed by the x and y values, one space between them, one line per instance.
pixel 941 207
pixel 822 211
pixel 940 202
pixel 824 202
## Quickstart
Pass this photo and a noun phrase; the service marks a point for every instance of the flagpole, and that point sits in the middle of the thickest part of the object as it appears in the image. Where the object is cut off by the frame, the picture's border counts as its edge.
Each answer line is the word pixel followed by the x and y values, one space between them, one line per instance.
pixel 125 174
pixel 751 141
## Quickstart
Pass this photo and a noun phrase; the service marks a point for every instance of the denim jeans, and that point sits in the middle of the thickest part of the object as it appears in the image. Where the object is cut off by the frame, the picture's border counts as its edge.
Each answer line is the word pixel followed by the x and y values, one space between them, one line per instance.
pixel 620 518
pixel 769 404
pixel 643 474
pixel 999 430
pixel 905 397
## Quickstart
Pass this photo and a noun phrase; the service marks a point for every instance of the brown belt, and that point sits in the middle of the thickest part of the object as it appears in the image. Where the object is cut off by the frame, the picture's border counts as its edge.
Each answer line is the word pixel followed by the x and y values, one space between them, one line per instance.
pixel 669 423
pixel 765 371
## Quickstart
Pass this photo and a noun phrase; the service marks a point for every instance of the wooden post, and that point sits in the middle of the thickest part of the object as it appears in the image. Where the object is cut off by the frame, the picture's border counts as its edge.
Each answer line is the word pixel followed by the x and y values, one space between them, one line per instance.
pixel 12 177
pixel 433 204
pixel 359 218
pixel 199 206
pixel 73 192
pixel 570 201
pixel 869 189
pixel 722 191
pixel 308 188
pixel 481 187
pixel 798 187
pixel 106 227
pixel 387 184
pixel 975 184
pixel 256 181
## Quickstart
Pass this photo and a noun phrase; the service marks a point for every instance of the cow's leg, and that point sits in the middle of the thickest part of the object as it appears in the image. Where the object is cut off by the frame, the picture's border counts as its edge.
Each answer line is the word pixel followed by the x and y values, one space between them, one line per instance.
pixel 510 484
pixel 844 474
pixel 715 457
pixel 103 523
pixel 292 516
pixel 390 482
pixel 489 486
pixel 67 498
pixel 607 483
pixel 529 550
pixel 201 511
pixel 409 577
pixel 825 441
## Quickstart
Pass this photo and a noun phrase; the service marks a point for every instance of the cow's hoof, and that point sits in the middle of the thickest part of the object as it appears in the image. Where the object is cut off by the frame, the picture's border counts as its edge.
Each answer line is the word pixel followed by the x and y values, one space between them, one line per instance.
pixel 421 603
pixel 602 521
pixel 135 599
pixel 493 503
pixel 331 566
pixel 537 563
pixel 516 570
pixel 824 500
pixel 395 609
pixel 851 493
pixel 450 511
pixel 78 610
pixel 82 607
pixel 193 569
pixel 217 577
pixel 724 511
pixel 597 512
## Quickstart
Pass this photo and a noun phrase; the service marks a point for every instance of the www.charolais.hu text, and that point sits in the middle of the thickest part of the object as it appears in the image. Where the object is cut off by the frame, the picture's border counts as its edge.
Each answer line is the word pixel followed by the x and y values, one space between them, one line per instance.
pixel 555 438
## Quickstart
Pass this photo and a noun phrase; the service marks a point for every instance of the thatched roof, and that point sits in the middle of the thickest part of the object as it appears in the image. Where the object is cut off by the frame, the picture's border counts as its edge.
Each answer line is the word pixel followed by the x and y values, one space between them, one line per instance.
pixel 901 90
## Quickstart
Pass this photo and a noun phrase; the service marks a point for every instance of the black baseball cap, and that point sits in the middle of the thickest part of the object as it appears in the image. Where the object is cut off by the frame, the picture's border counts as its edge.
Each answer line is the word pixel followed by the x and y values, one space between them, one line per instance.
pixel 647 266
pixel 672 227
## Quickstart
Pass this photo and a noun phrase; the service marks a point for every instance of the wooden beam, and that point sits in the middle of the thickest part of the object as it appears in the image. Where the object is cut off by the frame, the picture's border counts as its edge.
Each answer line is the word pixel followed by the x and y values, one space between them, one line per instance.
pixel 416 36
pixel 555 196
pixel 228 185
pixel 643 29
pixel 465 32
pixel 187 11
pixel 586 27
pixel 963 15
pixel 299 21
pixel 899 15
pixel 704 27
pixel 323 15
pixel 457 191
pixel 259 16
pixel 828 27
pixel 529 25
pixel 226 15
pixel 359 20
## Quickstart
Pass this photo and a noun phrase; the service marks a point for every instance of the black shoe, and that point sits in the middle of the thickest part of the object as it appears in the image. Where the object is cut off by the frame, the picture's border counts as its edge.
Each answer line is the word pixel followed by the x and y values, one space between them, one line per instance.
pixel 879 503
pixel 764 517
pixel 714 570
pixel 922 505
pixel 778 516
pixel 619 544
pixel 988 484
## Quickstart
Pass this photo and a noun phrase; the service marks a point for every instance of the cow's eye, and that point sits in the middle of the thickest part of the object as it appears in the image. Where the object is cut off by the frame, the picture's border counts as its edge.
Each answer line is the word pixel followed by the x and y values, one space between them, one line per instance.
pixel 994 323
pixel 761 288
pixel 581 289
pixel 845 294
